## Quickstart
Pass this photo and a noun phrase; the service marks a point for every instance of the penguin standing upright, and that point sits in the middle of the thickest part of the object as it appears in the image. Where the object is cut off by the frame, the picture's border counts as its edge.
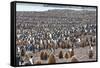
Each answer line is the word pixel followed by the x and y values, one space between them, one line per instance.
pixel 91 52
pixel 71 51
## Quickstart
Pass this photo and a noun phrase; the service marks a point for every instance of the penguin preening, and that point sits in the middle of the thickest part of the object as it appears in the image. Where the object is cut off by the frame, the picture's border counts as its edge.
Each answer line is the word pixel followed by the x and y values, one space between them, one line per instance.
pixel 31 60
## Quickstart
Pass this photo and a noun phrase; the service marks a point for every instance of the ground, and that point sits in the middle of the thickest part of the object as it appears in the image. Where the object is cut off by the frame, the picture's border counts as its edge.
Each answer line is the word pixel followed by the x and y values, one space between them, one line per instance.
pixel 80 53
